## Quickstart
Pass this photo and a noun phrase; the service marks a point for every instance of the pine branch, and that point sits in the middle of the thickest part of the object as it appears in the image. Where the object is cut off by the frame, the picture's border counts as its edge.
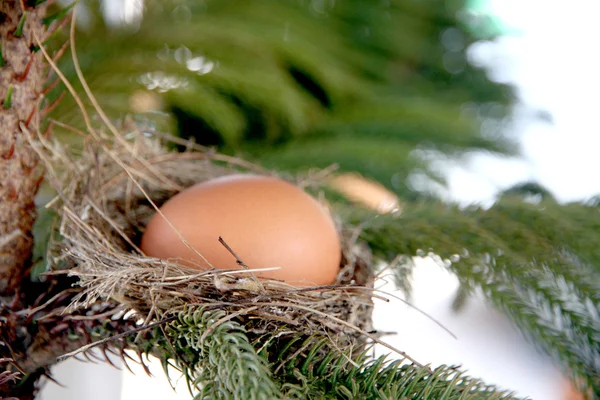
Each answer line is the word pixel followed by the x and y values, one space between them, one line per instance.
pixel 272 80
pixel 538 263
pixel 322 372
pixel 223 363
pixel 552 313
pixel 220 361
pixel 34 338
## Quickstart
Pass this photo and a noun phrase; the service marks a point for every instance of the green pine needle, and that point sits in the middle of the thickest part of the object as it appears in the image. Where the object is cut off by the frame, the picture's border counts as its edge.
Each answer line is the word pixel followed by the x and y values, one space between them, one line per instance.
pixel 7 103
pixel 219 361
pixel 59 14
pixel 2 62
pixel 45 236
pixel 20 25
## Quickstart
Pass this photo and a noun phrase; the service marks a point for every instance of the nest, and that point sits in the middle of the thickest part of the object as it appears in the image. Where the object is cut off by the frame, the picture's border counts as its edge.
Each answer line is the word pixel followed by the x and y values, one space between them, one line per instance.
pixel 110 192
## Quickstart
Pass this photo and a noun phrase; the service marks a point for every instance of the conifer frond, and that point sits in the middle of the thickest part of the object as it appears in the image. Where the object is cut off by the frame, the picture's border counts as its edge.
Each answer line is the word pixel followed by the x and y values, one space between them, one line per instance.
pixel 223 363
pixel 324 373
pixel 537 262
pixel 220 361
pixel 366 79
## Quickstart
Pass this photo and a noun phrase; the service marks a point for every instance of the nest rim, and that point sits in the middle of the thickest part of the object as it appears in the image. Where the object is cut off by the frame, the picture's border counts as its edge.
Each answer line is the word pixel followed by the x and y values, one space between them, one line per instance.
pixel 99 239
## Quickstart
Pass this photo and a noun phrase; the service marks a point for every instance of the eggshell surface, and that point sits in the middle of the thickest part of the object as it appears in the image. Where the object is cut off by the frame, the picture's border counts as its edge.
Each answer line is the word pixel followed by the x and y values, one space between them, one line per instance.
pixel 266 221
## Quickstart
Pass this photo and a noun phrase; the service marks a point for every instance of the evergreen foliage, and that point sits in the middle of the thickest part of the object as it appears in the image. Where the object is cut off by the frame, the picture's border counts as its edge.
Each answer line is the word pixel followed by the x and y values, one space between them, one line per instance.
pixel 338 376
pixel 219 361
pixel 222 363
pixel 297 84
pixel 537 262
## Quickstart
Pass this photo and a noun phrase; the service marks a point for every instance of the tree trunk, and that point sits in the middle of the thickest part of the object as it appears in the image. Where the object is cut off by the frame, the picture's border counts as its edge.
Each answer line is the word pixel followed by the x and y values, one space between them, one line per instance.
pixel 26 347
pixel 21 80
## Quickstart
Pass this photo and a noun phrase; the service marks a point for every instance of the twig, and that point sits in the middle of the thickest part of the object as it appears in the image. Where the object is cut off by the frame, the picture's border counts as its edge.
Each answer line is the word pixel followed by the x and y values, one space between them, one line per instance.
pixel 239 261
pixel 113 224
pixel 420 311
pixel 32 311
pixel 225 319
pixel 349 325
pixel 7 239
pixel 13 363
pixel 115 337
pixel 92 317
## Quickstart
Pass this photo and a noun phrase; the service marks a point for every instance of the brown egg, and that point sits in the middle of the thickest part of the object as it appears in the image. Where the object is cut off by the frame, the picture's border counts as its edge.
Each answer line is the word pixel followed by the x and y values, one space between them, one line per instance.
pixel 571 392
pixel 366 192
pixel 266 221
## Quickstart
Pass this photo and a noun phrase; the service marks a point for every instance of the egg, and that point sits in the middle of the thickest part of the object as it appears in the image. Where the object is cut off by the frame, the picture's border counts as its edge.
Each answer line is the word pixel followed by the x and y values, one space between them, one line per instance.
pixel 572 393
pixel 266 221
pixel 366 192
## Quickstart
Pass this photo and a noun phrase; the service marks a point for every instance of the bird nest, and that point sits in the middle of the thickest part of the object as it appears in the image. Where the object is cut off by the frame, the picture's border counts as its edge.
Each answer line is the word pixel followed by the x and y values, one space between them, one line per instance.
pixel 108 194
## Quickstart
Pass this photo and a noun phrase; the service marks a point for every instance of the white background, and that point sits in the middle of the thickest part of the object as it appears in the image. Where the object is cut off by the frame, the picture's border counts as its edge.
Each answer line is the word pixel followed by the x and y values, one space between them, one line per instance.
pixel 555 63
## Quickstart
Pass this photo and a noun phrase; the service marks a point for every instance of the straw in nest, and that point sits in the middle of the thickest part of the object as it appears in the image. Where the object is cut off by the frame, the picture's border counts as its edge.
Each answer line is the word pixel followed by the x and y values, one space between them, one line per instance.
pixel 104 213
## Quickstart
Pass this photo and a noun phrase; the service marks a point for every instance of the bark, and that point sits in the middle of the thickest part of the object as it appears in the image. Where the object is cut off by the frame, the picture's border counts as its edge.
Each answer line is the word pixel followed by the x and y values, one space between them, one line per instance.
pixel 21 81
pixel 30 343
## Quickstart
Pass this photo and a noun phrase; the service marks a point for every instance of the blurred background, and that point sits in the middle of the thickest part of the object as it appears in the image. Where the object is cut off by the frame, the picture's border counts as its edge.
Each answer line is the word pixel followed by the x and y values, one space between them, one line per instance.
pixel 547 52
pixel 459 100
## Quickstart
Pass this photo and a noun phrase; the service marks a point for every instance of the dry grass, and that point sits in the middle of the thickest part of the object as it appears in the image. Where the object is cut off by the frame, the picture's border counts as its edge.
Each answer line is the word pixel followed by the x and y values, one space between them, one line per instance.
pixel 104 207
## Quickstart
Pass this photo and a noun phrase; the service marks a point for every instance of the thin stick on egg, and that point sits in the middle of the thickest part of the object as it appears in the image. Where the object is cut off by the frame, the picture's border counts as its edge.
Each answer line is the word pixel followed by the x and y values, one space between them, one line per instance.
pixel 239 261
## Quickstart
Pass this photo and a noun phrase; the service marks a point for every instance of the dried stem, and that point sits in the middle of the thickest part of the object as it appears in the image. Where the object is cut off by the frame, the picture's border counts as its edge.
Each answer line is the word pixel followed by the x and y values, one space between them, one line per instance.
pixel 138 329
pixel 238 260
